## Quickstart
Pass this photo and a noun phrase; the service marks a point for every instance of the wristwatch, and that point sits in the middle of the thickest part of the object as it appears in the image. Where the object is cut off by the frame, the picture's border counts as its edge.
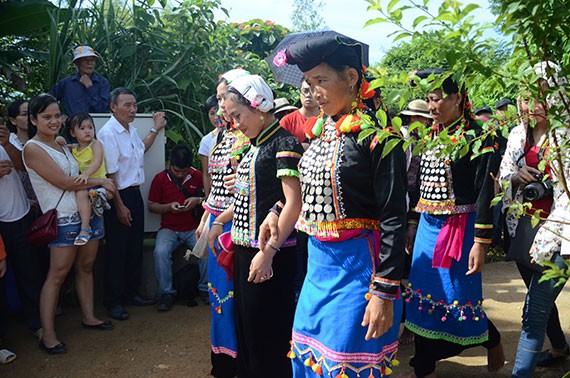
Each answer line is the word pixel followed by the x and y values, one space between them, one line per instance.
pixel 153 130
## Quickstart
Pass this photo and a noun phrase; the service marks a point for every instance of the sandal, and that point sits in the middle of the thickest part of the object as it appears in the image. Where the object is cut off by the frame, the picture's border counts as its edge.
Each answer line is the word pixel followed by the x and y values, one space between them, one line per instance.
pixel 82 239
pixel 6 356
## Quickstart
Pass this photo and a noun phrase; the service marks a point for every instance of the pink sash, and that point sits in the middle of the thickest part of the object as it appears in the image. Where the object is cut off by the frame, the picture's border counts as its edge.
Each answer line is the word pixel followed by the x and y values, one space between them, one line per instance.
pixel 449 244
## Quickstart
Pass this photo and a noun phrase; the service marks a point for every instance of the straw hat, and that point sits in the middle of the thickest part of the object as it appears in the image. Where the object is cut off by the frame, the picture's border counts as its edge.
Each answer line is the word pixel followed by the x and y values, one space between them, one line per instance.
pixel 83 52
pixel 417 108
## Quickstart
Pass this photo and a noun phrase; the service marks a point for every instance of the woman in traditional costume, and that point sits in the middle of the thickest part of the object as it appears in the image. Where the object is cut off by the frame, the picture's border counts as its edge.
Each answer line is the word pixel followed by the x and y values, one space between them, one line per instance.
pixel 267 176
pixel 354 211
pixel 230 144
pixel 444 294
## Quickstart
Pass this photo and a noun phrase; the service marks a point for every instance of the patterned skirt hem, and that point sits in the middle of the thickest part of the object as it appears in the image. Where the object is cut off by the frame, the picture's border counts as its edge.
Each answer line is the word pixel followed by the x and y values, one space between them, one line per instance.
pixel 440 335
pixel 316 356
pixel 224 350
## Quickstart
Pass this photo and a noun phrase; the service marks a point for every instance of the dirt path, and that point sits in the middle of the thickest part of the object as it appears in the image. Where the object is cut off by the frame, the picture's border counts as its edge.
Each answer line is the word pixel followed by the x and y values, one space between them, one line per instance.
pixel 176 343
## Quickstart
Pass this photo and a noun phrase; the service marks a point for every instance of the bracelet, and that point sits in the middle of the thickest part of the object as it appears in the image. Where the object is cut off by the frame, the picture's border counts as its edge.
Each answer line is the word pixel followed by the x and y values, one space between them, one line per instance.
pixel 153 130
pixel 276 249
pixel 217 224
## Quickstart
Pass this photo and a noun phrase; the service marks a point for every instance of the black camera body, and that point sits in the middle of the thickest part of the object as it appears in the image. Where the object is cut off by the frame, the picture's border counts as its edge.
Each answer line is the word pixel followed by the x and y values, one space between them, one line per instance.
pixel 537 190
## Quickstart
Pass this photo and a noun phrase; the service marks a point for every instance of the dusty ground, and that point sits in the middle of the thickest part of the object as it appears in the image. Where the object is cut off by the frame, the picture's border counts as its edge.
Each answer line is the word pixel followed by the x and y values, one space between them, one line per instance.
pixel 176 344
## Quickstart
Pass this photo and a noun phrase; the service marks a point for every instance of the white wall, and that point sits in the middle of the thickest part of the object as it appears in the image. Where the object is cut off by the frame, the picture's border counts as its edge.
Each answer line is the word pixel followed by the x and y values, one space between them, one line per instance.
pixel 154 160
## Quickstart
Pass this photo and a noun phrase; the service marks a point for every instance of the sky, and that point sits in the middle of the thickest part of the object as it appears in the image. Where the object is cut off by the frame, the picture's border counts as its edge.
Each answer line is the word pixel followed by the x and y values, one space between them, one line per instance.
pixel 344 16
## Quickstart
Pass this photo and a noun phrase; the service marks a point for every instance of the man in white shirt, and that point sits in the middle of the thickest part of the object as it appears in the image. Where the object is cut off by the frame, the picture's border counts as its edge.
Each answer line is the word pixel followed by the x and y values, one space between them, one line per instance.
pixel 15 218
pixel 124 159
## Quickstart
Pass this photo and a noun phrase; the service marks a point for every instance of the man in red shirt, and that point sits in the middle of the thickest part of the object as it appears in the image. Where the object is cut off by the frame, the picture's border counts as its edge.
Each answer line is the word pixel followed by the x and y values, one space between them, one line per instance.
pixel 294 122
pixel 173 194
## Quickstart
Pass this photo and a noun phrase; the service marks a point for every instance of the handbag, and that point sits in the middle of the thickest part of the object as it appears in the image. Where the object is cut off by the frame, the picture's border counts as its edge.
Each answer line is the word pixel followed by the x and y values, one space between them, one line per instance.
pixel 43 230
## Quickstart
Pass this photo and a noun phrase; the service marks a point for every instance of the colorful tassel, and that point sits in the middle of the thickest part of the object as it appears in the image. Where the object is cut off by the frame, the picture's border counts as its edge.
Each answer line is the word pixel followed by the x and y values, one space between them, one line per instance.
pixel 291 354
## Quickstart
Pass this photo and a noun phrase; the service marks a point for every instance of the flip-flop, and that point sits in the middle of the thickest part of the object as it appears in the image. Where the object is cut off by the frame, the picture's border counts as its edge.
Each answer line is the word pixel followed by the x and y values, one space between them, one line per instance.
pixel 6 356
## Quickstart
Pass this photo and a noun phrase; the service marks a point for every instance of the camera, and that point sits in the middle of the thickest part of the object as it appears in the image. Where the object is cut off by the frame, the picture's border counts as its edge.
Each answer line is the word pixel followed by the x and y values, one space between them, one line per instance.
pixel 537 190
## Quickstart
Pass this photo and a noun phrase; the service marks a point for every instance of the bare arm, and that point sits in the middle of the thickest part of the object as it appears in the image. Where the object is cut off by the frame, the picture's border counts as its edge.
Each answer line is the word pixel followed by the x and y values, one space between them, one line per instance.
pixel 14 154
pixel 206 178
pixel 38 160
pixel 97 148
pixel 159 124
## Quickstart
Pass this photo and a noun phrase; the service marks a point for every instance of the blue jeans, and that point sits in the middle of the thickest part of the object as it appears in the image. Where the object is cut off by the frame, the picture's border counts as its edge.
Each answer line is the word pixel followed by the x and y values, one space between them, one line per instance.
pixel 538 305
pixel 166 243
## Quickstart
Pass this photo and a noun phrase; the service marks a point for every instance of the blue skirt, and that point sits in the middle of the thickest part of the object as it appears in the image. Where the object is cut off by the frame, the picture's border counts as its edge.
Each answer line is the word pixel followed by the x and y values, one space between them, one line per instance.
pixel 221 292
pixel 444 304
pixel 327 331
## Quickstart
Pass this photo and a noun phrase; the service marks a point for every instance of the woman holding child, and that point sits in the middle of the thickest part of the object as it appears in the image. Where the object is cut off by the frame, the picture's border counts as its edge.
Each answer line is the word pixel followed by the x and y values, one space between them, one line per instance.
pixel 52 169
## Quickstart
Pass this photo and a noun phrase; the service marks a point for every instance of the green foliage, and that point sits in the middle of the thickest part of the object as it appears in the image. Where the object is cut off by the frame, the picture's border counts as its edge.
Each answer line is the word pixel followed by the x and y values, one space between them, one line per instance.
pixel 306 16
pixel 170 55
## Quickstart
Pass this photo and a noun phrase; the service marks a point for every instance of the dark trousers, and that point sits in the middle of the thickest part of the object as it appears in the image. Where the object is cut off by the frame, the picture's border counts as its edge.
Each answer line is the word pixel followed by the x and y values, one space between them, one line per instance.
pixel 3 309
pixel 429 351
pixel 264 315
pixel 123 261
pixel 553 328
pixel 27 265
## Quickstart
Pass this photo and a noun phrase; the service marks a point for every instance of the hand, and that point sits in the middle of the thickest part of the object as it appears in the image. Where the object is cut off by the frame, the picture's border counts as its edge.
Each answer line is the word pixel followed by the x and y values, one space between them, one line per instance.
pixel 176 208
pixel 411 231
pixel 268 230
pixel 379 316
pixel 159 120
pixel 260 267
pixel 2 268
pixel 525 175
pixel 109 185
pixel 229 182
pixel 215 231
pixel 124 215
pixel 477 258
pixel 199 230
pixel 6 167
pixel 4 135
pixel 86 81
pixel 82 179
pixel 60 140
pixel 191 203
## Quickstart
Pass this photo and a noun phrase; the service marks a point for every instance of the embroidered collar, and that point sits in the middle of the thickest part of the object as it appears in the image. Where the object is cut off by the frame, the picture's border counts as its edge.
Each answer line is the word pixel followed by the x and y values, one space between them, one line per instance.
pixel 265 134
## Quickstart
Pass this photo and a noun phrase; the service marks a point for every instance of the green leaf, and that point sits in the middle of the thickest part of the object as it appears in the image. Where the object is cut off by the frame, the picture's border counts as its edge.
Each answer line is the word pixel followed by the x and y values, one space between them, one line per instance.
pixel 391 5
pixel 418 20
pixel 365 134
pixel 389 146
pixel 382 117
pixel 377 20
pixel 397 124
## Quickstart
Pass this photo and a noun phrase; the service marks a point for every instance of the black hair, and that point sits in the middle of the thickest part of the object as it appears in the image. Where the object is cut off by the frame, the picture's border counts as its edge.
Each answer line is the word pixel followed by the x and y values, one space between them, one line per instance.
pixel 13 112
pixel 450 86
pixel 181 156
pixel 37 105
pixel 211 102
pixel 115 93
pixel 75 121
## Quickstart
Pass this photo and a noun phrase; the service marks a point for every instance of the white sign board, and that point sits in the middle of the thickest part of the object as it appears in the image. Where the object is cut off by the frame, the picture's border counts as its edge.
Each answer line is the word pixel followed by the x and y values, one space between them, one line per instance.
pixel 154 160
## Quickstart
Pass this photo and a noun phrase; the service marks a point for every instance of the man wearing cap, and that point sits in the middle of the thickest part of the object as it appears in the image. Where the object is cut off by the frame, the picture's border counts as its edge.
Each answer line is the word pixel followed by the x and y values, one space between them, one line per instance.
pixel 484 114
pixel 86 91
